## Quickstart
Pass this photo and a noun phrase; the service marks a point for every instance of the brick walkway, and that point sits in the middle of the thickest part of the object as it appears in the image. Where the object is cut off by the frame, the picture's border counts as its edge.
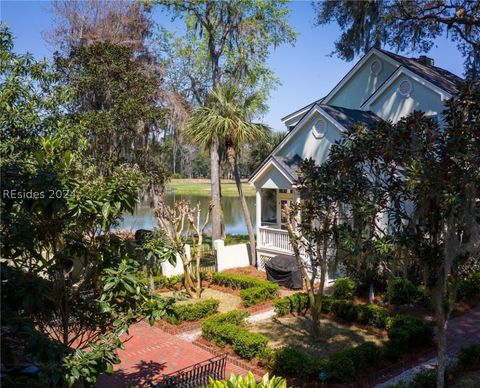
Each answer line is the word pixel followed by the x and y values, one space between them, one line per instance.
pixel 462 331
pixel 150 353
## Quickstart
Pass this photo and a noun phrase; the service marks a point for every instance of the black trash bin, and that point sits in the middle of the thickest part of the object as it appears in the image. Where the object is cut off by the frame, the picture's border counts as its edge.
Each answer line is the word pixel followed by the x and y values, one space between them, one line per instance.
pixel 284 271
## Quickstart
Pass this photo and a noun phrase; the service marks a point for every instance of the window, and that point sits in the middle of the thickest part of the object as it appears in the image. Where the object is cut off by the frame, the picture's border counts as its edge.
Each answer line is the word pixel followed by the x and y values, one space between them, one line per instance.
pixel 319 128
pixel 376 67
pixel 269 206
pixel 405 88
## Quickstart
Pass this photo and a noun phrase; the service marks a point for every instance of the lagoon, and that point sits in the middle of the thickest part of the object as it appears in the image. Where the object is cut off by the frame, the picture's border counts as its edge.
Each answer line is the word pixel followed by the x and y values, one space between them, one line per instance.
pixel 143 217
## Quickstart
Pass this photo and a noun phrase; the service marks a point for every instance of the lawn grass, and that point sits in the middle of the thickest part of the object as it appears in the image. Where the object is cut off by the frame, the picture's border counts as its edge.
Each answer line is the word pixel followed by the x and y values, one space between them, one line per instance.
pixel 295 332
pixel 201 187
pixel 227 301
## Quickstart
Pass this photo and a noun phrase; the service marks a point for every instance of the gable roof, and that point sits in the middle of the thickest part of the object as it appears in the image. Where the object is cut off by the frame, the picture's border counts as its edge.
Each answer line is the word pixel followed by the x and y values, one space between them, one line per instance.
pixel 344 118
pixel 305 108
pixel 439 77
pixel 348 118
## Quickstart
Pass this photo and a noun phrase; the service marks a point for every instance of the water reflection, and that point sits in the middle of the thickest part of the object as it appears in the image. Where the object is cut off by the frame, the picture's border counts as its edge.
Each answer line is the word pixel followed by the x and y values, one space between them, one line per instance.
pixel 234 222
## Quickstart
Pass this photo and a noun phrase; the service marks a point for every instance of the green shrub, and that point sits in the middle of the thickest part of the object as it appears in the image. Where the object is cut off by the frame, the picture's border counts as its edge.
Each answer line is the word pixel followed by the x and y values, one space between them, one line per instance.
pixel 401 291
pixel 344 288
pixel 248 345
pixel 289 361
pixel 162 281
pixel 192 311
pixel 248 381
pixel 470 286
pixel 344 309
pixel 258 290
pixel 296 303
pixel 370 314
pixel 469 357
pixel 422 297
pixel 254 295
pixel 407 332
pixel 224 329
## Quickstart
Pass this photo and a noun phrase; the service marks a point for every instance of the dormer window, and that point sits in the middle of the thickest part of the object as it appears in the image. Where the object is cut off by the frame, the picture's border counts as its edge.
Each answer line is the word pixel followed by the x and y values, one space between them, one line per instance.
pixel 405 88
pixel 376 67
pixel 319 128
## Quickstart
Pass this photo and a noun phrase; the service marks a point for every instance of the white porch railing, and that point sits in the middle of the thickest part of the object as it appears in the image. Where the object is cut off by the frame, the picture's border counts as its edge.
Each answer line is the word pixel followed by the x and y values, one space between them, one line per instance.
pixel 274 239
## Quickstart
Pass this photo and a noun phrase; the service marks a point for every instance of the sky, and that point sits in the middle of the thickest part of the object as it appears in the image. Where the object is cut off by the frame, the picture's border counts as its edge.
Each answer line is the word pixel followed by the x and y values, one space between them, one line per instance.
pixel 306 70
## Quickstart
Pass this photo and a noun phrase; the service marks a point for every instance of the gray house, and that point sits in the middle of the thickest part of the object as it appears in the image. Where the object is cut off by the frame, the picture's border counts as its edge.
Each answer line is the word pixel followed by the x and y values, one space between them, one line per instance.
pixel 381 86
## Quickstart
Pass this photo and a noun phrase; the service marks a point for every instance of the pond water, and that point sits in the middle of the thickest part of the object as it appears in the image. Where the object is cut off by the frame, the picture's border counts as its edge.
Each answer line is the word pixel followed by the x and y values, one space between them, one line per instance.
pixel 143 218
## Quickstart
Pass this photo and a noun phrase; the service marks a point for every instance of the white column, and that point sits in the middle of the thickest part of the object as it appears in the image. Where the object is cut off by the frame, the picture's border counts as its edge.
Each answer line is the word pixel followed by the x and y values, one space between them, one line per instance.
pixel 258 212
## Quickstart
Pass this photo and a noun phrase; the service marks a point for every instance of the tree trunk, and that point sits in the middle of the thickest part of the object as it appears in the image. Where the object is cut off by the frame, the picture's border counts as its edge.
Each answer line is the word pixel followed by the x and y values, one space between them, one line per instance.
pixel 441 351
pixel 232 159
pixel 217 213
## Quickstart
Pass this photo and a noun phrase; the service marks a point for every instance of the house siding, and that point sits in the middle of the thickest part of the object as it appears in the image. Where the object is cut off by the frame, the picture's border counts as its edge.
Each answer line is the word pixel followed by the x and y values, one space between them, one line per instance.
pixel 392 106
pixel 362 85
pixel 306 145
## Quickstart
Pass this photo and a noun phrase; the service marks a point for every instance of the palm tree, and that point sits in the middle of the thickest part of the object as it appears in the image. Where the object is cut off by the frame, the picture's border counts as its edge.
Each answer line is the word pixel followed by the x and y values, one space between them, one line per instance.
pixel 226 118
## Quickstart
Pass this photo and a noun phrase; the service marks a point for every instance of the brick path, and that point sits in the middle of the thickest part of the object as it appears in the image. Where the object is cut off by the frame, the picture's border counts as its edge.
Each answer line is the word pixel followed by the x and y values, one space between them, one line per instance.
pixel 150 353
pixel 462 331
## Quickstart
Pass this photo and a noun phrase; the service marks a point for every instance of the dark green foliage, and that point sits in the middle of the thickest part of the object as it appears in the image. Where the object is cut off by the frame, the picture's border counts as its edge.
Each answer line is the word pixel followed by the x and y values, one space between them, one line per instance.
pixel 253 290
pixel 344 309
pixel 224 329
pixel 470 286
pixel 406 332
pixel 296 303
pixel 370 314
pixel 344 288
pixel 254 295
pixel 423 297
pixel 340 366
pixel 192 311
pixel 469 357
pixel 289 361
pixel 401 291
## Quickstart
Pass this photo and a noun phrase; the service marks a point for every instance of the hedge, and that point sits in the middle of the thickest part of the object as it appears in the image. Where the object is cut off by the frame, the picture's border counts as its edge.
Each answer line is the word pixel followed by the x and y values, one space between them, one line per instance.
pixel 224 329
pixel 341 366
pixel 253 291
pixel 368 314
pixel 296 303
pixel 401 291
pixel 405 333
pixel 192 311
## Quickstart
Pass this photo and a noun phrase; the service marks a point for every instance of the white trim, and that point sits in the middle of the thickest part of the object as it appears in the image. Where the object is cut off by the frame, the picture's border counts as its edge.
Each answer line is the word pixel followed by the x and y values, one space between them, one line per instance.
pixel 403 71
pixel 275 164
pixel 297 113
pixel 354 70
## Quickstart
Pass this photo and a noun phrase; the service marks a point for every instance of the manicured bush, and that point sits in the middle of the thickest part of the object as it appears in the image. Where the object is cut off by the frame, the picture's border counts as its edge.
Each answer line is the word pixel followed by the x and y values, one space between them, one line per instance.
pixel 469 357
pixel 258 290
pixel 254 295
pixel 373 315
pixel 406 332
pixel 344 309
pixel 224 329
pixel 401 291
pixel 192 311
pixel 162 281
pixel 344 288
pixel 296 303
pixel 289 361
pixel 470 286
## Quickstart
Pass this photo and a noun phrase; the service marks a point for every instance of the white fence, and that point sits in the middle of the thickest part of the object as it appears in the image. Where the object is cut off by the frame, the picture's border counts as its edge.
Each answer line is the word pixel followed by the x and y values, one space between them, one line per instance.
pixel 177 269
pixel 231 256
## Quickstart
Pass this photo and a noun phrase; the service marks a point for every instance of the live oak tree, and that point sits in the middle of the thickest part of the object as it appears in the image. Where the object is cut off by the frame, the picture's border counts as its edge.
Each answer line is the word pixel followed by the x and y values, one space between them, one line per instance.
pixel 404 26
pixel 427 185
pixel 228 41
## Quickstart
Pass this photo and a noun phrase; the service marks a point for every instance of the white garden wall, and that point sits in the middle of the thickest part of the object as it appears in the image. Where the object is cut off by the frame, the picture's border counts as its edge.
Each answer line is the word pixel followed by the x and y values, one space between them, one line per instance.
pixel 177 269
pixel 231 256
